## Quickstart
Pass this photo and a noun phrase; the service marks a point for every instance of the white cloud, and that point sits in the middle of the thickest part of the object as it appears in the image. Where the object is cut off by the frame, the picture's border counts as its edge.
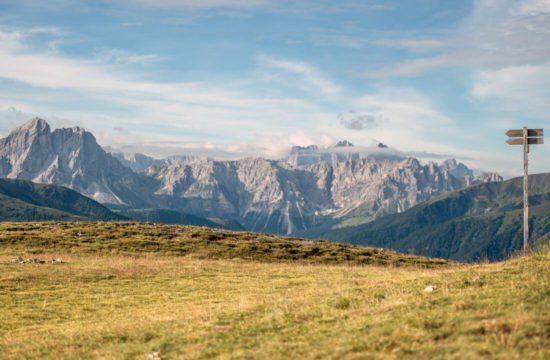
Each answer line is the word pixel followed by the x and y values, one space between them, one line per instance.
pixel 11 41
pixel 535 7
pixel 172 118
pixel 496 34
pixel 269 146
pixel 226 120
pixel 330 37
pixel 307 73
pixel 400 105
pixel 50 70
pixel 48 30
pixel 189 110
pixel 525 89
pixel 409 67
pixel 11 116
pixel 506 46
pixel 411 120
pixel 416 45
pixel 118 56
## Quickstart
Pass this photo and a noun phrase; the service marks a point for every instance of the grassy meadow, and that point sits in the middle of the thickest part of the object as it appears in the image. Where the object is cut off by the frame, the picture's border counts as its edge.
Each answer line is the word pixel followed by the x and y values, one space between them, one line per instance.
pixel 125 291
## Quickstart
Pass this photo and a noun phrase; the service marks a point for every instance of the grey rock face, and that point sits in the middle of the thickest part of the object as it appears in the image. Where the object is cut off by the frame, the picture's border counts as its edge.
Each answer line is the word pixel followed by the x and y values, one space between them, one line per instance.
pixel 136 162
pixel 341 152
pixel 485 177
pixel 458 170
pixel 344 143
pixel 274 196
pixel 466 175
pixel 263 195
pixel 71 158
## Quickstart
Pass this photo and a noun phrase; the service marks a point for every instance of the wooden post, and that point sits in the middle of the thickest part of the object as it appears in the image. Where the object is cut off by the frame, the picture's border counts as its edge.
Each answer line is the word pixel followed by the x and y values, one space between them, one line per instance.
pixel 525 137
pixel 525 190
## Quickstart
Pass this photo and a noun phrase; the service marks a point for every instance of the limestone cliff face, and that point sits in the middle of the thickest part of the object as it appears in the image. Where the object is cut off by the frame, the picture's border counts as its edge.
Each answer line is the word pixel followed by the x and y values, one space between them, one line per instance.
pixel 341 152
pixel 264 195
pixel 283 196
pixel 68 157
pixel 139 163
pixel 467 176
pixel 274 196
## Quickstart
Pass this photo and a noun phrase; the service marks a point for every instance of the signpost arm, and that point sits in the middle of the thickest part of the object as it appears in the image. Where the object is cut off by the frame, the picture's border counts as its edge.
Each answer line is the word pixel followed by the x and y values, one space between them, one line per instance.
pixel 525 190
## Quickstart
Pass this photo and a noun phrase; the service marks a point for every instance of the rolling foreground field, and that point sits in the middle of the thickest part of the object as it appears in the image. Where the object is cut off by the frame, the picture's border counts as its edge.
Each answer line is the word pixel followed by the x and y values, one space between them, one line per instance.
pixel 142 291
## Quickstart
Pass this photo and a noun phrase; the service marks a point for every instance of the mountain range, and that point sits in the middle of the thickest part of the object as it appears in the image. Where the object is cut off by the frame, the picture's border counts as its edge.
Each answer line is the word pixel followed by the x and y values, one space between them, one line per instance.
pixel 309 189
pixel 480 222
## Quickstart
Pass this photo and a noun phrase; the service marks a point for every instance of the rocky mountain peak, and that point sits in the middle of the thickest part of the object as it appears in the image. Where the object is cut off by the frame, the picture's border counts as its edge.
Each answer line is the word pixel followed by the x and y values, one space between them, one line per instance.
pixel 489 177
pixel 137 162
pixel 412 163
pixel 450 164
pixel 32 127
pixel 458 170
pixel 343 143
pixel 78 130
pixel 69 157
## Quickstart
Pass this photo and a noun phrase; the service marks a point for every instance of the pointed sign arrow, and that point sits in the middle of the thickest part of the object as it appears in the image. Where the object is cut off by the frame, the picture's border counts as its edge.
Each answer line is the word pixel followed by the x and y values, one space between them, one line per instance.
pixel 530 132
pixel 530 141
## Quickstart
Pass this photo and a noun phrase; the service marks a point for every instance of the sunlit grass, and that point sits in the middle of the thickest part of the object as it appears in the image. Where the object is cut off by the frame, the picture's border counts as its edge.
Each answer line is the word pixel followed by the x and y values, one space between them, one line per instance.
pixel 126 238
pixel 116 306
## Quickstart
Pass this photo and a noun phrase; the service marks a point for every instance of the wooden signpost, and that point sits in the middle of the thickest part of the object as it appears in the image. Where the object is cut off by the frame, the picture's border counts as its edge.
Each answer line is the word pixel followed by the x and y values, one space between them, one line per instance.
pixel 525 137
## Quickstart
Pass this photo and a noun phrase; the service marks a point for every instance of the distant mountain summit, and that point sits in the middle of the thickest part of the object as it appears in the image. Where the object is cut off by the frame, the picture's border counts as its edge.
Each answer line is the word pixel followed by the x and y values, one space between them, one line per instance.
pixel 135 161
pixel 343 143
pixel 341 152
pixel 69 157
pixel 278 196
pixel 456 169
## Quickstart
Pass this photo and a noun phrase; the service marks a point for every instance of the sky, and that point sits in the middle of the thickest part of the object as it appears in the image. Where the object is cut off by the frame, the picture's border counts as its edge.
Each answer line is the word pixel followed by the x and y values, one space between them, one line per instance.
pixel 236 78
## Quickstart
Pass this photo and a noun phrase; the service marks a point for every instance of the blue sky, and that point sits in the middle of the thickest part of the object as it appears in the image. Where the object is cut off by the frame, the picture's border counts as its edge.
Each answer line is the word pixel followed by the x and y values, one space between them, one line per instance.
pixel 235 78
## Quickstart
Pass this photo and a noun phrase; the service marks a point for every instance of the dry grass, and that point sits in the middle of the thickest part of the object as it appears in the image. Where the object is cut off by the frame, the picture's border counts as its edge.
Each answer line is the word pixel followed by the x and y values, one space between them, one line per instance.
pixel 130 238
pixel 119 306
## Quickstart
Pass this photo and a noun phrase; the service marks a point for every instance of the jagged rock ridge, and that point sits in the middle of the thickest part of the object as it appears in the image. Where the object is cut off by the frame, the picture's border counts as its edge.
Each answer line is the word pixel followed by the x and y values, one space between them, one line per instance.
pixel 283 196
pixel 341 152
pixel 71 158
pixel 137 162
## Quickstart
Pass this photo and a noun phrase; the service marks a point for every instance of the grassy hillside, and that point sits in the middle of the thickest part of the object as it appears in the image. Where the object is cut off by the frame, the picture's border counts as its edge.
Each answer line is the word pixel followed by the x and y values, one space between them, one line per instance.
pixel 164 216
pixel 126 238
pixel 129 300
pixel 479 222
pixel 22 200
pixel 16 210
